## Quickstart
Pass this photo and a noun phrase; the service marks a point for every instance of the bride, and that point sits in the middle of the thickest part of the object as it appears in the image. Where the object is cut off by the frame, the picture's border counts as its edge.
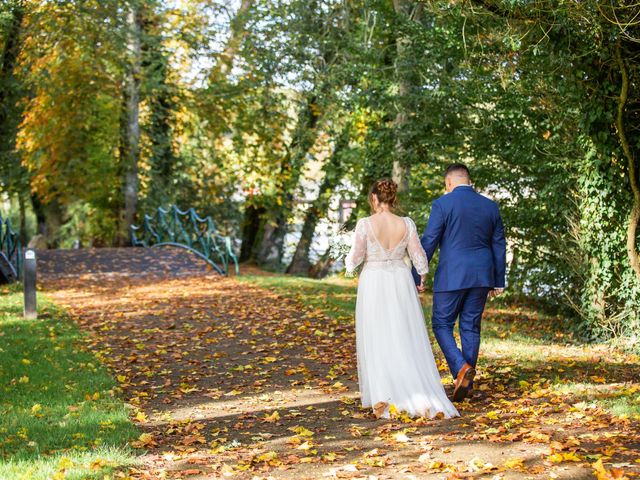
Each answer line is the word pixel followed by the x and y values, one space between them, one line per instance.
pixel 395 362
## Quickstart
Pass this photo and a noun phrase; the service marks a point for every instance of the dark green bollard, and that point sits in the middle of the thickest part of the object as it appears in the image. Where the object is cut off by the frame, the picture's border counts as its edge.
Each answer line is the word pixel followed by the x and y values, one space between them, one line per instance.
pixel 29 273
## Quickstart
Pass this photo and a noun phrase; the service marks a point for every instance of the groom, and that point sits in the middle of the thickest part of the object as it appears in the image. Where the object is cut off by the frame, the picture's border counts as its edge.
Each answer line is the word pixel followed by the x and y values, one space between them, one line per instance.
pixel 468 228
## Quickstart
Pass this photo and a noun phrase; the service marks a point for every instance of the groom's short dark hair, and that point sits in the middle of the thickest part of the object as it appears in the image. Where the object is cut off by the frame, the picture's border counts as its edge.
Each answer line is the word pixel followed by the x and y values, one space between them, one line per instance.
pixel 458 168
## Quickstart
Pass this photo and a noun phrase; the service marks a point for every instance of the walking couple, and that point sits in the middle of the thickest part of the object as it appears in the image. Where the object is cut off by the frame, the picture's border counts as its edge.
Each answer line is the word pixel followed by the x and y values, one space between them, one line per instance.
pixel 396 365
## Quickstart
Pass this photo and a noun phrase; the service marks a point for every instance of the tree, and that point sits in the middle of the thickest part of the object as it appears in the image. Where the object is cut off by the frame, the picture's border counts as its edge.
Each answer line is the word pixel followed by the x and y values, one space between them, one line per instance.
pixel 13 176
pixel 130 123
pixel 333 170
pixel 408 11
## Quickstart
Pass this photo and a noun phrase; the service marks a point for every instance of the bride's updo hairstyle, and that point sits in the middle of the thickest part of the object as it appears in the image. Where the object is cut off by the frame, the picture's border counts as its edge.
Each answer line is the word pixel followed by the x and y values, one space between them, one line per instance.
pixel 386 190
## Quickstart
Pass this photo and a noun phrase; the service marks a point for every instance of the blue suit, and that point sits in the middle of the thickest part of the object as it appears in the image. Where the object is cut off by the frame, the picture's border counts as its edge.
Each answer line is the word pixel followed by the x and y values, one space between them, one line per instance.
pixel 468 229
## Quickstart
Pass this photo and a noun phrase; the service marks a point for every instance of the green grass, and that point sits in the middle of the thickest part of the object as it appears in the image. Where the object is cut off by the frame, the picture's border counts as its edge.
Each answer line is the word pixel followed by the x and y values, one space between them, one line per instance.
pixel 536 344
pixel 59 409
pixel 335 296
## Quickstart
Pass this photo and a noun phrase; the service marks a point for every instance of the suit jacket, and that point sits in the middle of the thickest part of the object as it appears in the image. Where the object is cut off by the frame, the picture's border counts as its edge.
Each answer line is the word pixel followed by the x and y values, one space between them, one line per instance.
pixel 468 228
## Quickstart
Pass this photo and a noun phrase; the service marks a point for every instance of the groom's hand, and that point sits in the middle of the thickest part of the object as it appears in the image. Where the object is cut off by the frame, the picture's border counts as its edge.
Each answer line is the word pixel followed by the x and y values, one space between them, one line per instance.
pixel 495 292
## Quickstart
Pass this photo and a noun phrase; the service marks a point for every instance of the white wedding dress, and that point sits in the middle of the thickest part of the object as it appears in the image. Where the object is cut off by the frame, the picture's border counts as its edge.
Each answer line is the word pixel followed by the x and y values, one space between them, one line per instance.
pixel 395 360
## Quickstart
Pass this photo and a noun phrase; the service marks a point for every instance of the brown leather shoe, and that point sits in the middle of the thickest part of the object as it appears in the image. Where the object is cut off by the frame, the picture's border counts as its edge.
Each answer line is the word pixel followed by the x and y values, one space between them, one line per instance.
pixel 463 381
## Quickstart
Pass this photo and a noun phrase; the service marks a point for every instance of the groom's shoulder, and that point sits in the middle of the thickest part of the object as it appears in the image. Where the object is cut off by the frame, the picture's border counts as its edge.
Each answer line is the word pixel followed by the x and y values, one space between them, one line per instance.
pixel 441 199
pixel 447 200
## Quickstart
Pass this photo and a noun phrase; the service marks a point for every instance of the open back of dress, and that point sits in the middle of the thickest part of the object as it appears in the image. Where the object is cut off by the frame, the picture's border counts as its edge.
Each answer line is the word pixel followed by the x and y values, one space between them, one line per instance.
pixel 395 361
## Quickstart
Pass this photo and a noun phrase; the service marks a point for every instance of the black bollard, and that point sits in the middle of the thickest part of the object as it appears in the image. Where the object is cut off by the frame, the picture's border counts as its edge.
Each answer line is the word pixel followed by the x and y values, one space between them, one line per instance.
pixel 29 272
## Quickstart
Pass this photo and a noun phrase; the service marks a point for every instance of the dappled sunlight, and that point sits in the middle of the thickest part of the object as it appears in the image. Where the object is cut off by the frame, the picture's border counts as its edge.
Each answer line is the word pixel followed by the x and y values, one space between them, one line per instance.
pixel 256 375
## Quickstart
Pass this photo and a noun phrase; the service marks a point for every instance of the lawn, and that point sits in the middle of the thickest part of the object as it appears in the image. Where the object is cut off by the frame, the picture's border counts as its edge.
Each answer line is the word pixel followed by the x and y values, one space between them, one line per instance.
pixel 60 412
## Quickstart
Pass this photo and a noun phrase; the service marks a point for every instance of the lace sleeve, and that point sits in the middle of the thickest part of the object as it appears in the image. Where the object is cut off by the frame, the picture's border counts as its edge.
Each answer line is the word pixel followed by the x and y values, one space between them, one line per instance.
pixel 358 249
pixel 415 250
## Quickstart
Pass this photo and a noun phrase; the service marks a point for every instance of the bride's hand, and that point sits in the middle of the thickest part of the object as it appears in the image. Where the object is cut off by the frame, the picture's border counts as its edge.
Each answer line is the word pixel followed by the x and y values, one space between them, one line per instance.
pixel 495 292
pixel 421 288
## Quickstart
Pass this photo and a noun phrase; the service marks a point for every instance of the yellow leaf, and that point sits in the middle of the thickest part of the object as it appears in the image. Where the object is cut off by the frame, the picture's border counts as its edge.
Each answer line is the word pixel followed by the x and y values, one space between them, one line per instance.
pixel 329 457
pixel 23 379
pixel 571 457
pixel 227 470
pixel 144 440
pixel 274 417
pixel 65 463
pixel 555 458
pixel 303 432
pixel 514 463
pixel 141 417
pixel 435 465
pixel 599 469
pixel 494 415
pixel 98 464
pixel 267 457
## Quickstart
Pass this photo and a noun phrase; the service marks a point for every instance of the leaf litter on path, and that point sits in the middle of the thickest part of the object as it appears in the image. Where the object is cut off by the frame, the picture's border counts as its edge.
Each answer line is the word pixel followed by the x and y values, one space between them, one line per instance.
pixel 228 379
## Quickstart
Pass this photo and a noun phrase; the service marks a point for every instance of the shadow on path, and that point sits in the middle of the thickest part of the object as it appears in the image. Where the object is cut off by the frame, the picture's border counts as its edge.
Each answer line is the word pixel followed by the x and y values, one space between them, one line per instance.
pixel 231 380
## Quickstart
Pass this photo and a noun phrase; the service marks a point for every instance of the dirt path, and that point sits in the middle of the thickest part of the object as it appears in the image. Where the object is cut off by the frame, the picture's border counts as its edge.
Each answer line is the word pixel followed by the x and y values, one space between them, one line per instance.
pixel 230 380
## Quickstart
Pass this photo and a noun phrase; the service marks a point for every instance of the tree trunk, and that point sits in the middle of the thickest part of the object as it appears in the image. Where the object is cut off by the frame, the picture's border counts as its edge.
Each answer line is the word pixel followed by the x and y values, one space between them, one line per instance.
pixel 250 230
pixel 9 58
pixel 321 268
pixel 401 168
pixel 303 138
pixel 159 96
pixel 23 219
pixel 13 174
pixel 130 141
pixel 50 218
pixel 224 64
pixel 272 246
pixel 300 264
pixel 634 216
pixel 41 219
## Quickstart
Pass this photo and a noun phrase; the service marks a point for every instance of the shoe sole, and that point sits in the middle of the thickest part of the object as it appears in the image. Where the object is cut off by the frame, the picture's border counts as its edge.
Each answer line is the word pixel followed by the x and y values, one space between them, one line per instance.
pixel 462 391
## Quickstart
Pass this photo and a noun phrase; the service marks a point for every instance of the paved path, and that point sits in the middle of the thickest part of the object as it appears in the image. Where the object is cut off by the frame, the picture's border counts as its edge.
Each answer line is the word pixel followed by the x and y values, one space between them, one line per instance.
pixel 230 380
pixel 129 262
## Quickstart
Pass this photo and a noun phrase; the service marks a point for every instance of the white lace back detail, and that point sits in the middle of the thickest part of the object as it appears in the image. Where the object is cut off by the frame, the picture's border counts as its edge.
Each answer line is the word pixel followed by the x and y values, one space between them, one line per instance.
pixel 366 248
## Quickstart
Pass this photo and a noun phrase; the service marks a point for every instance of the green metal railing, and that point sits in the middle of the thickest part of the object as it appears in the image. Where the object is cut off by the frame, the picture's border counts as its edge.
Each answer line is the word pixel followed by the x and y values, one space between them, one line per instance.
pixel 186 229
pixel 10 251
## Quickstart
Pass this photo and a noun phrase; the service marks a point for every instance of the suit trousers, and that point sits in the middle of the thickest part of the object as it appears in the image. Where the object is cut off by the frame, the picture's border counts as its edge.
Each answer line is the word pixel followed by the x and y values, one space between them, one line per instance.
pixel 468 304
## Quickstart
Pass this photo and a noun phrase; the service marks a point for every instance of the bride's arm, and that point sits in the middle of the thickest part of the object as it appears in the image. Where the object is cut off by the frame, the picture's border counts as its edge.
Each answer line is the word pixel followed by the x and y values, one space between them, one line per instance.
pixel 358 249
pixel 416 252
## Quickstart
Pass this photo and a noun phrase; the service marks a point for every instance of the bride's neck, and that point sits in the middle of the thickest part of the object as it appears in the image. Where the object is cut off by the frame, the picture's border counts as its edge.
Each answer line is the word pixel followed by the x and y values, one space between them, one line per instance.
pixel 383 208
